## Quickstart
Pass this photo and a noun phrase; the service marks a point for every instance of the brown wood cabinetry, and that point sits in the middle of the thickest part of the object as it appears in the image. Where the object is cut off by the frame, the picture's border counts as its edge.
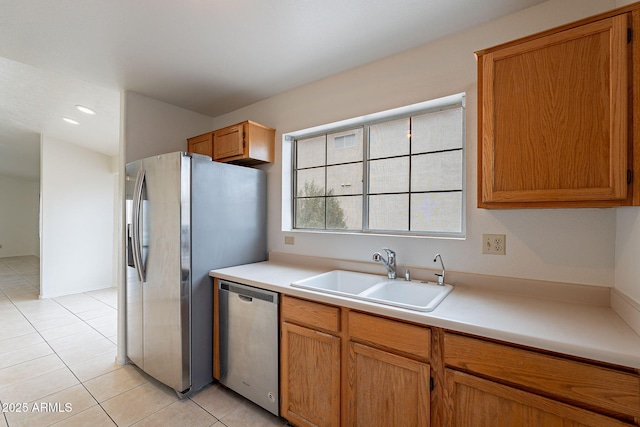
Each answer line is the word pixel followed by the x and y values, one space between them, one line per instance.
pixel 555 122
pixel 341 367
pixel 309 363
pixel 310 376
pixel 245 143
pixel 481 403
pixel 386 389
pixel 491 384
pixel 201 144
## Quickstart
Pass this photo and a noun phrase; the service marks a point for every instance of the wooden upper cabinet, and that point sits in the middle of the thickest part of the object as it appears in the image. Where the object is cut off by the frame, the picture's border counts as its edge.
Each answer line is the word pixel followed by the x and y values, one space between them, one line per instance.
pixel 201 144
pixel 553 118
pixel 244 143
pixel 229 142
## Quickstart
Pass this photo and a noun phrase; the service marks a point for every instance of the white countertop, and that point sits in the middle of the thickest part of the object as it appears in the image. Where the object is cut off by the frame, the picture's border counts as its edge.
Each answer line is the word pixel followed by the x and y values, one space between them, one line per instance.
pixel 582 330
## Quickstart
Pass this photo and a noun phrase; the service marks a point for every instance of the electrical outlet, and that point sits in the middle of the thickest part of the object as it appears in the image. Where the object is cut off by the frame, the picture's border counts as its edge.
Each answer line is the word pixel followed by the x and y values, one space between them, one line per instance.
pixel 289 240
pixel 494 244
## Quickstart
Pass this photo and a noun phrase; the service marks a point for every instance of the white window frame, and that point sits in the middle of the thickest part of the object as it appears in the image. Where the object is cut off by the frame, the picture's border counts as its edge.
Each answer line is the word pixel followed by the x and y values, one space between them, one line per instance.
pixel 289 167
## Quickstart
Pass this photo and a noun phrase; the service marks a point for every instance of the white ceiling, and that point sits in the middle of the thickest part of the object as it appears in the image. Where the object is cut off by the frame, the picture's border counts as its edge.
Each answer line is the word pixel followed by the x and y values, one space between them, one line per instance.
pixel 209 56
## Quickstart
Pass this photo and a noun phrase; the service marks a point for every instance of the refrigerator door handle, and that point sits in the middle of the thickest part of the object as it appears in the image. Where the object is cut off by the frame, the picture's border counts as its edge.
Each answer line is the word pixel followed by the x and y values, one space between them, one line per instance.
pixel 137 203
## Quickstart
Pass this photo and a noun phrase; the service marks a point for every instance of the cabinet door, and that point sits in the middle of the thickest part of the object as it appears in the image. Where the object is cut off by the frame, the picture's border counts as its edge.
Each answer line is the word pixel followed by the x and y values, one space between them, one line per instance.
pixel 202 144
pixel 474 402
pixel 310 376
pixel 228 142
pixel 554 117
pixel 387 390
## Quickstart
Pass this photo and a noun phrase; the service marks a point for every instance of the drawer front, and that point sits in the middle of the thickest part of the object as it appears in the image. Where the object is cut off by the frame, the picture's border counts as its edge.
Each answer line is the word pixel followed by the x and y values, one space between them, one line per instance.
pixel 313 314
pixel 391 334
pixel 576 382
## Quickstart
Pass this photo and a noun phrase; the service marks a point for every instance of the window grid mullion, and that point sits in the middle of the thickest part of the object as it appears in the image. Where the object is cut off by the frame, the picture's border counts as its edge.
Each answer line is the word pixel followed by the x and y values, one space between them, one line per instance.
pixel 365 193
pixel 410 170
pixel 365 177
pixel 326 168
pixel 294 182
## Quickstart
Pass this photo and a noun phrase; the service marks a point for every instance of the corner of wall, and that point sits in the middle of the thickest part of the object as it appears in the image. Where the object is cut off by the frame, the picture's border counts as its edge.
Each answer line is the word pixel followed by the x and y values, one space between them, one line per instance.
pixel 627 308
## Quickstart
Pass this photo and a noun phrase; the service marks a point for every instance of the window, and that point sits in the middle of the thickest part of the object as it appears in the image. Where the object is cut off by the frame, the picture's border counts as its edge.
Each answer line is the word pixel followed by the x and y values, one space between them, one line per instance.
pixel 387 173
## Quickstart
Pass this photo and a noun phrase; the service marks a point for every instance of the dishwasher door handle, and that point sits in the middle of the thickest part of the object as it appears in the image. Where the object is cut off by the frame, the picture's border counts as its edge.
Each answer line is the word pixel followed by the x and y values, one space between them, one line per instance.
pixel 248 293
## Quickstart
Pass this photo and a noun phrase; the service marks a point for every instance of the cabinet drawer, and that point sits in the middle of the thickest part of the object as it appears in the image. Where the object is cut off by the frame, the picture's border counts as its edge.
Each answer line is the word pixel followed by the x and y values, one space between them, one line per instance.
pixel 568 380
pixel 316 315
pixel 391 334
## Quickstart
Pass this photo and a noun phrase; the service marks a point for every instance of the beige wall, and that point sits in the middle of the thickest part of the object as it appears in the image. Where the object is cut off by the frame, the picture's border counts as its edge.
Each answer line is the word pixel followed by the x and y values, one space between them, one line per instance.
pixel 570 245
pixel 152 127
pixel 19 217
pixel 78 224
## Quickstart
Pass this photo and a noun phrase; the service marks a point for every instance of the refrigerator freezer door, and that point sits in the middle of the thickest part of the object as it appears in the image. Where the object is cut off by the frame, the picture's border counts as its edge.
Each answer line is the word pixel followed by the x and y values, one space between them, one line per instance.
pixel 166 230
pixel 133 286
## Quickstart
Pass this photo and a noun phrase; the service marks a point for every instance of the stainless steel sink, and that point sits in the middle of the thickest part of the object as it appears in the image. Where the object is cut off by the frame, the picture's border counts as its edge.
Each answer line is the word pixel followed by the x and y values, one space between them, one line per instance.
pixel 412 295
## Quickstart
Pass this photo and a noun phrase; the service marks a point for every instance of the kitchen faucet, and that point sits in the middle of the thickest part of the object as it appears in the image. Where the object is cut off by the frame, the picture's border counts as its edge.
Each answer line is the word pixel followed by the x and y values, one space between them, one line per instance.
pixel 390 264
pixel 440 275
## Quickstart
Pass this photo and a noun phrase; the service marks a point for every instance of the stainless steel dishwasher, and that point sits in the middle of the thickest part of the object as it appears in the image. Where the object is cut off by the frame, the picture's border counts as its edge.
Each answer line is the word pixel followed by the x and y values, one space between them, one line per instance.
pixel 249 343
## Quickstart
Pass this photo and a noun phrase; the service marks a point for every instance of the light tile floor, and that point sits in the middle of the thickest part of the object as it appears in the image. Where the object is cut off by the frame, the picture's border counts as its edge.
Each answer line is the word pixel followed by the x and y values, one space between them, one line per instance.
pixel 57 366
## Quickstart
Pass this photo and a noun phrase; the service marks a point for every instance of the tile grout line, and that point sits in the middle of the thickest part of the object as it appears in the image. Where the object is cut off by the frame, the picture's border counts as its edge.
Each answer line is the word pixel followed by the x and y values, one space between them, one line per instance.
pixel 56 353
pixel 34 288
pixel 204 409
pixel 65 363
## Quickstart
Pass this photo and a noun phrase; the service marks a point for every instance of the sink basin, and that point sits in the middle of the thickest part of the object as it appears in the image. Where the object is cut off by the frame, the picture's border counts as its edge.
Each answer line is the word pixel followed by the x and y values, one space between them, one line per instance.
pixel 412 295
pixel 340 282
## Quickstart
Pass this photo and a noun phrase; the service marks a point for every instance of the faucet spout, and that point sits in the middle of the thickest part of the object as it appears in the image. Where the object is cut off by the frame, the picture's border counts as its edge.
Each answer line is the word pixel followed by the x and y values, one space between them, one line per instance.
pixel 440 275
pixel 389 263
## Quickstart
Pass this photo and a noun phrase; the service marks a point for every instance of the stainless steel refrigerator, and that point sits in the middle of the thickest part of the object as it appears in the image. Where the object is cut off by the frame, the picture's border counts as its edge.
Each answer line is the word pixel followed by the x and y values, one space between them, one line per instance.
pixel 185 215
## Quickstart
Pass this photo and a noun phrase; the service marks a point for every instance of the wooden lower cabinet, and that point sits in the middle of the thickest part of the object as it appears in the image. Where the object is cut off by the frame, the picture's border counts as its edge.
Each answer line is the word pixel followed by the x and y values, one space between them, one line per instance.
pixel 386 389
pixel 342 367
pixel 476 402
pixel 310 376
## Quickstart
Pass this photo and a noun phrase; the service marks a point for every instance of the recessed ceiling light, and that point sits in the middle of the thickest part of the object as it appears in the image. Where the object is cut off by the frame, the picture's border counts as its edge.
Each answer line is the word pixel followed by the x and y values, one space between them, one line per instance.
pixel 68 120
pixel 85 110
